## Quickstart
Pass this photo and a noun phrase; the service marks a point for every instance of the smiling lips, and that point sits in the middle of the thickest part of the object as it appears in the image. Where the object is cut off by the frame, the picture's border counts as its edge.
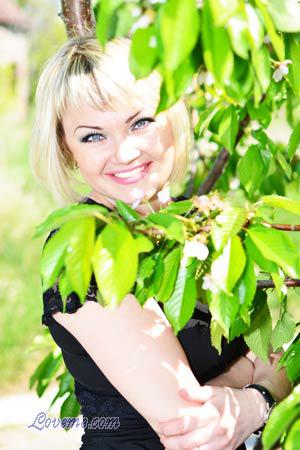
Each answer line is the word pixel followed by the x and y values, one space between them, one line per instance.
pixel 131 176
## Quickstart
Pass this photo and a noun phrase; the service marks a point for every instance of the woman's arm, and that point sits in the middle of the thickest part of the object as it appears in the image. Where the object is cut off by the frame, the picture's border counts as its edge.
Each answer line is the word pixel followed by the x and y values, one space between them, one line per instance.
pixel 137 351
pixel 251 369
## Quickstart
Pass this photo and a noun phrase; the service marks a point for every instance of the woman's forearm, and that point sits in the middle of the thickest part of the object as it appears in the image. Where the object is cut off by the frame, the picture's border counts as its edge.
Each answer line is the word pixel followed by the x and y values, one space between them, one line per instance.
pixel 265 373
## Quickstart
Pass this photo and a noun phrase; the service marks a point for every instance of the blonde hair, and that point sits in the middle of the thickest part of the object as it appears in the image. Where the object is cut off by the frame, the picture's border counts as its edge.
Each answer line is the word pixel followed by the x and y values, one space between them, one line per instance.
pixel 82 70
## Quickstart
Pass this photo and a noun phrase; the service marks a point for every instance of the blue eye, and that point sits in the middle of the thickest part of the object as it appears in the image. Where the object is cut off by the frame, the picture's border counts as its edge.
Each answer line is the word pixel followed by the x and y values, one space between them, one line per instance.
pixel 92 135
pixel 142 122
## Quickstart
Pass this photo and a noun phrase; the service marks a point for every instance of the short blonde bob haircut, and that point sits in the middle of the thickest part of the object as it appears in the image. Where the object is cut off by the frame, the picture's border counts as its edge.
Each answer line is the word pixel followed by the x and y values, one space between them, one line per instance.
pixel 83 71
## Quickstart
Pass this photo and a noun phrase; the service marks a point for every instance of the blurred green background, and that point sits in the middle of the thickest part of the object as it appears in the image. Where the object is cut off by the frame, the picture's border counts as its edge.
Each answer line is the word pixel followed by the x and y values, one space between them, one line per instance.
pixel 30 32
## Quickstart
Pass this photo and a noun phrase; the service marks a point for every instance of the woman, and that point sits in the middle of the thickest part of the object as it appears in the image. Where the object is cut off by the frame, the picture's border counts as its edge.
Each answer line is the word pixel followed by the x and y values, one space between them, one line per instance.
pixel 94 119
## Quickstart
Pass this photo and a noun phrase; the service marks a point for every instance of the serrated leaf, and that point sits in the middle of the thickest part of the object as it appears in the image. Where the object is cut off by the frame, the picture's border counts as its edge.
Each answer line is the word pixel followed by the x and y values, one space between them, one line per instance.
pixel 227 224
pixel 276 246
pixel 171 266
pixel 216 333
pixel 246 289
pixel 70 408
pixel 282 416
pixel 292 441
pixel 276 40
pixel 227 268
pixel 278 201
pixel 176 17
pixel 79 253
pixel 294 142
pixel 219 63
pixel 283 331
pixel 63 215
pixel 251 168
pixel 129 214
pixel 262 66
pixel 180 207
pixel 224 308
pixel 255 254
pixel 180 306
pixel 143 54
pixel 169 224
pixel 143 244
pixel 258 336
pixel 53 255
pixel 115 263
pixel 228 128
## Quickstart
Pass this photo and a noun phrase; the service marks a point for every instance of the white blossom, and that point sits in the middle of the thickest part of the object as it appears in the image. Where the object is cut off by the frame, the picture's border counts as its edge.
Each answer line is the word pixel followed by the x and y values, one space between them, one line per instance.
pixel 281 70
pixel 195 249
pixel 164 195
pixel 234 183
pixel 209 284
pixel 255 125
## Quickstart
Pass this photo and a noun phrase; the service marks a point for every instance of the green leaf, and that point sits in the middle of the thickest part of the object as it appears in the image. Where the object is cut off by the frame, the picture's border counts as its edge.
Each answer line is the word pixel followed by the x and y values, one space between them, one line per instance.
pixel 53 256
pixel 278 201
pixel 294 142
pixel 284 164
pixel 246 289
pixel 276 246
pixel 107 19
pixel 180 207
pixel 222 11
pixel 172 226
pixel 283 331
pixel 143 244
pixel 293 53
pixel 171 266
pixel 258 336
pixel 251 168
pixel 262 66
pixel 217 51
pixel 64 285
pixel 254 253
pixel 206 116
pixel 227 224
pixel 66 384
pixel 224 308
pixel 143 52
pixel 216 333
pixel 180 306
pixel 282 417
pixel 47 370
pixel 255 28
pixel 286 14
pixel 237 27
pixel 79 253
pixel 276 40
pixel 292 441
pixel 129 214
pixel 70 407
pixel 228 128
pixel 63 215
pixel 115 263
pixel 179 28
pixel 290 360
pixel 227 268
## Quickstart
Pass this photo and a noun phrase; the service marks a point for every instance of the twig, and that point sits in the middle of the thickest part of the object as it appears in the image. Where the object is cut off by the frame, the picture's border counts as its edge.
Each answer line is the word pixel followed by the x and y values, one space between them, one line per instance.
pixel 282 226
pixel 218 167
pixel 268 284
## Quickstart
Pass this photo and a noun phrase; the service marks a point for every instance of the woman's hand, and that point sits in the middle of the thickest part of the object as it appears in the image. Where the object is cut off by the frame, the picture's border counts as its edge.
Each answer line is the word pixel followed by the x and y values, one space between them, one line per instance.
pixel 225 418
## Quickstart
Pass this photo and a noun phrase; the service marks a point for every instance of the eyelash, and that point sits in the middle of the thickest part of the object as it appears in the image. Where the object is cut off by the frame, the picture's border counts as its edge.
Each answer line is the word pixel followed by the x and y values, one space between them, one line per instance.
pixel 85 138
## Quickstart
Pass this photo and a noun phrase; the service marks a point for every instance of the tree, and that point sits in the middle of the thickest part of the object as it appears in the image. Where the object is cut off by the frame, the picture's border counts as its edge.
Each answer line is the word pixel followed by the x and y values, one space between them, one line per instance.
pixel 237 63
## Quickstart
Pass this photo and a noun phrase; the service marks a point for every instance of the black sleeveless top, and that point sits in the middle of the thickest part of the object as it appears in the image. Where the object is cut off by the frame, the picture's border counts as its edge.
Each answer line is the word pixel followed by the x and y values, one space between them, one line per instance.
pixel 98 398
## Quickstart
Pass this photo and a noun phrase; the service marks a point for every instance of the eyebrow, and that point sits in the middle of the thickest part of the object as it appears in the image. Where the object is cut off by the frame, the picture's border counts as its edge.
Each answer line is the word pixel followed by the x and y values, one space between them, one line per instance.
pixel 94 127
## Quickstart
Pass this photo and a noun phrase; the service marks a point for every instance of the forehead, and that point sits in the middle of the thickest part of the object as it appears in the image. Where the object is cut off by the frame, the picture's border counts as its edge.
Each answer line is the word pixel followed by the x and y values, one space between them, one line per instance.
pixel 98 92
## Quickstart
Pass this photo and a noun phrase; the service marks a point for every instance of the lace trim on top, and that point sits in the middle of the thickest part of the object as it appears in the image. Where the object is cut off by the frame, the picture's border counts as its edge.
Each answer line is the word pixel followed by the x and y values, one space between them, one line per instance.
pixel 99 404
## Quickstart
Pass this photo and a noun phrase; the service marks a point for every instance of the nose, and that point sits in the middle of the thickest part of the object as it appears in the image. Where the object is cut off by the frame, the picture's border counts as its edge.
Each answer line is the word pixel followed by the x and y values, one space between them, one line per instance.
pixel 125 152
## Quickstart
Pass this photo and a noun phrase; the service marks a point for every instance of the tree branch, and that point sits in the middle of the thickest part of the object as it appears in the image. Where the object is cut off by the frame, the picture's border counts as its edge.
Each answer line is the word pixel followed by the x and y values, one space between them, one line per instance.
pixel 268 284
pixel 221 161
pixel 78 17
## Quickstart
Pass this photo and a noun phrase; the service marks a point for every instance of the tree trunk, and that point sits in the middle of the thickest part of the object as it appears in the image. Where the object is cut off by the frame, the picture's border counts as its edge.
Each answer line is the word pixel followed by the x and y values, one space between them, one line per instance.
pixel 78 17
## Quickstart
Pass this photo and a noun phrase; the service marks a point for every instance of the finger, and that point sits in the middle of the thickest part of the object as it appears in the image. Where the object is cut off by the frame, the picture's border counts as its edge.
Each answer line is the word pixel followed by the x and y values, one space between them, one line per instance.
pixel 193 439
pixel 203 416
pixel 202 394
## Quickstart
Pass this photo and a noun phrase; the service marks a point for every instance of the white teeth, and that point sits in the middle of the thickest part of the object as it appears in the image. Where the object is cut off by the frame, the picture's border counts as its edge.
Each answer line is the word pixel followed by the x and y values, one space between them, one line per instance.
pixel 129 173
